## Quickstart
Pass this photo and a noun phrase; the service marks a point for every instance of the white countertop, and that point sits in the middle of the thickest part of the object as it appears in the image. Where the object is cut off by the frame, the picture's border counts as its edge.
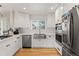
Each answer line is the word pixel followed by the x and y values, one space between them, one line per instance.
pixel 9 38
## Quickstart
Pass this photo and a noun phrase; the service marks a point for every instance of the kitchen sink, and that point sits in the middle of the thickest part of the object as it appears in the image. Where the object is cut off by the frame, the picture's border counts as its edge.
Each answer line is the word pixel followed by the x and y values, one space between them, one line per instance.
pixel 39 36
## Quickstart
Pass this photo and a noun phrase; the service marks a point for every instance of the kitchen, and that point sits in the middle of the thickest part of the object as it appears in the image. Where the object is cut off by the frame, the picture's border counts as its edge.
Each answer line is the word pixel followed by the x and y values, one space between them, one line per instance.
pixel 32 27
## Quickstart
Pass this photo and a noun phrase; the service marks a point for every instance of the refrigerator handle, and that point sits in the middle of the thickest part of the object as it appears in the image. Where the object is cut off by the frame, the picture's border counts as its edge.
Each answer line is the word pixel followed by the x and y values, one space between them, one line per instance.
pixel 71 30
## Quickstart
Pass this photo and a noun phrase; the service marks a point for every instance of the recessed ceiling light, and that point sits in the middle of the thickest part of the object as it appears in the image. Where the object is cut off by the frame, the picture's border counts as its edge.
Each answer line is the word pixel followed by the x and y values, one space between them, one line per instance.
pixel 51 8
pixel 61 7
pixel 24 8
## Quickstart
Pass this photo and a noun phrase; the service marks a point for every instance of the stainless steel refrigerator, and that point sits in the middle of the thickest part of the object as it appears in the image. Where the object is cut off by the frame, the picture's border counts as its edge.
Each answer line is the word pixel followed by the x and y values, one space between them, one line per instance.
pixel 70 28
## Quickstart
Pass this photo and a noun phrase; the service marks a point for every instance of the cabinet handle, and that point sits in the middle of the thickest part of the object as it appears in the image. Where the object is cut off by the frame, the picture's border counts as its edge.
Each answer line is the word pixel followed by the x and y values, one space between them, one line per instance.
pixel 8 45
pixel 58 49
pixel 18 37
pixel 15 41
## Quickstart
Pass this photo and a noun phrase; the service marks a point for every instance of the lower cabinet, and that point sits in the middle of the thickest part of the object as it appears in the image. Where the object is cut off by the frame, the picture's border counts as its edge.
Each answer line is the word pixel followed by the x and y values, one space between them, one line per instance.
pixel 4 50
pixel 9 47
pixel 58 47
pixel 19 42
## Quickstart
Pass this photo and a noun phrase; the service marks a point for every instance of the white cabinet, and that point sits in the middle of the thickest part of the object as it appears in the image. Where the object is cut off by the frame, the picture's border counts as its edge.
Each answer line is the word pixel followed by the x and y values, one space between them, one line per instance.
pixel 58 15
pixel 3 51
pixel 18 20
pixel 58 47
pixel 44 43
pixel 50 20
pixel 21 20
pixel 4 22
pixel 18 42
pixel 9 48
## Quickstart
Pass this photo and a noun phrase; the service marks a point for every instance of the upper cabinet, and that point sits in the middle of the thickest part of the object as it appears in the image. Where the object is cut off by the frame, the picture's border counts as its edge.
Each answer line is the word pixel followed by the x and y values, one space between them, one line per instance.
pixel 58 14
pixel 4 21
pixel 61 10
pixel 21 20
pixel 68 6
pixel 50 20
pixel 18 20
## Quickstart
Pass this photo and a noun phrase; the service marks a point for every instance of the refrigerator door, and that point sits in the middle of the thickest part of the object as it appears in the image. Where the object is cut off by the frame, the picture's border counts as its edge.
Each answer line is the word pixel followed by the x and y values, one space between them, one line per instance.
pixel 67 52
pixel 75 39
pixel 66 30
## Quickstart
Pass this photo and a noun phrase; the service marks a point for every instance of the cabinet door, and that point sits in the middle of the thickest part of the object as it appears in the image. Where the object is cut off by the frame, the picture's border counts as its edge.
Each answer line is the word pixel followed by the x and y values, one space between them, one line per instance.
pixel 12 48
pixel 16 45
pixel 19 42
pixel 3 51
pixel 59 48
pixel 6 50
pixel 19 20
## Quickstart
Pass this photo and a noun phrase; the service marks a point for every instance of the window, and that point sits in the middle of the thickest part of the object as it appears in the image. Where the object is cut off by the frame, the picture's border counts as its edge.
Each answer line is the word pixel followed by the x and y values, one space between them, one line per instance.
pixel 38 24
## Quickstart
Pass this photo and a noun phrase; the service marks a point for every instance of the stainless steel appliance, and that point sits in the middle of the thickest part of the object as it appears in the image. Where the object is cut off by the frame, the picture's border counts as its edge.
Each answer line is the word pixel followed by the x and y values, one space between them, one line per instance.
pixel 26 41
pixel 66 28
pixel 39 36
pixel 67 52
pixel 70 27
pixel 59 32
pixel 59 27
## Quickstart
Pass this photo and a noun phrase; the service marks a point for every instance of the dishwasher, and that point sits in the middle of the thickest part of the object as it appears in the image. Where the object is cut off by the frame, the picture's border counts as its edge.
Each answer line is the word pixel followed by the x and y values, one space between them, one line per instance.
pixel 26 41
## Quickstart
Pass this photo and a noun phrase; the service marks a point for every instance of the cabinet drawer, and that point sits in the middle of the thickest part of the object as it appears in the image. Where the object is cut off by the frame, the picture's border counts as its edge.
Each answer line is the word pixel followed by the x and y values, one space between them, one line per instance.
pixel 9 48
pixel 59 48
pixel 5 50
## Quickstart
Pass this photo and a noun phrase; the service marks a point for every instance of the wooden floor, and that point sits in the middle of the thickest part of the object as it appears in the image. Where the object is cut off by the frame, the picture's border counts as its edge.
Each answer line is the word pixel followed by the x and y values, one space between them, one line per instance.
pixel 37 52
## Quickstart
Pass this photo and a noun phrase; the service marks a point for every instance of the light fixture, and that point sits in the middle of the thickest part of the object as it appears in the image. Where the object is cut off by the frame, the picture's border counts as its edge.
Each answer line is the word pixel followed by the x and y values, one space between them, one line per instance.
pixel 24 8
pixel 0 5
pixel 61 7
pixel 51 8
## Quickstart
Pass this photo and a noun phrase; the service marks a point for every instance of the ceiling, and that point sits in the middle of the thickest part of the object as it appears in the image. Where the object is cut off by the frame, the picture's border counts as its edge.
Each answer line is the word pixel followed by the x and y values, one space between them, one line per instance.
pixel 31 8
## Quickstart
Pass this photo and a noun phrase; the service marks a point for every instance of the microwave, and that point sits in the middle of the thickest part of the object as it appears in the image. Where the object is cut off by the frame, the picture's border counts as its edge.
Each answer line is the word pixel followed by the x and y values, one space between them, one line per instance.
pixel 59 27
pixel 59 32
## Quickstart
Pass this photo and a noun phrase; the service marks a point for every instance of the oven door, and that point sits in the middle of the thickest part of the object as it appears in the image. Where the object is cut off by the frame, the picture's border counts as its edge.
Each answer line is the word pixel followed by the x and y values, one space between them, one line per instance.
pixel 59 38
